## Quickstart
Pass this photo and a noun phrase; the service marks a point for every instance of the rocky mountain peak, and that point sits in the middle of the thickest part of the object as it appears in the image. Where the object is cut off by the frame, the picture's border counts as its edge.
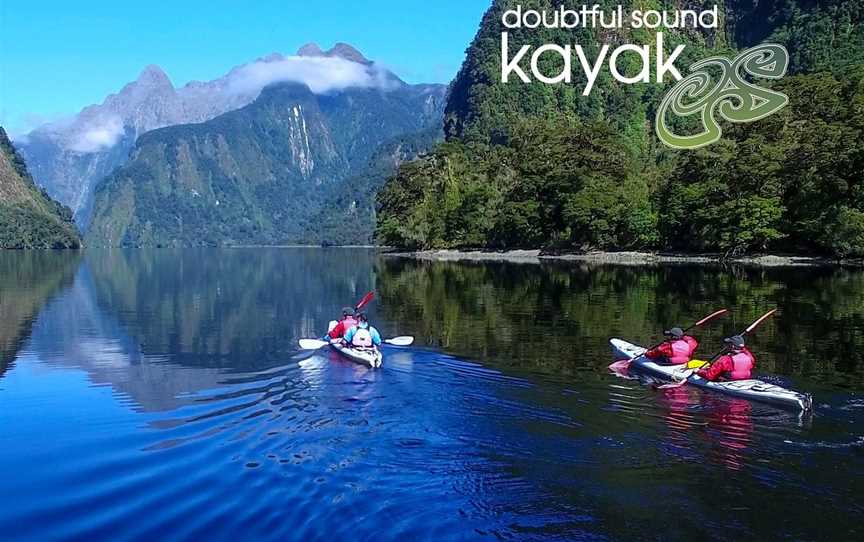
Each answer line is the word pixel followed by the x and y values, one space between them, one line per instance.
pixel 154 76
pixel 348 52
pixel 339 50
pixel 310 49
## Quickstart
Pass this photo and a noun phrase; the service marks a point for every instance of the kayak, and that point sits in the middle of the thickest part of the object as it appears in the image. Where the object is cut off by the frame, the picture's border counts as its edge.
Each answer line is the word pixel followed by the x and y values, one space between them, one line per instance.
pixel 752 389
pixel 371 357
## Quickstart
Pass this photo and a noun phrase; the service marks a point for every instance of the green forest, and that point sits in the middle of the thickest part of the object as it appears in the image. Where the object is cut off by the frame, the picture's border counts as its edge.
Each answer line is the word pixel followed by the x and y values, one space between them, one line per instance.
pixel 29 218
pixel 541 166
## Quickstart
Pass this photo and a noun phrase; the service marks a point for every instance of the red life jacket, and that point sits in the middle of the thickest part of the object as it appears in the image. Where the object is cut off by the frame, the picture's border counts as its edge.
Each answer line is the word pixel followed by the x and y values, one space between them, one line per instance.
pixel 742 365
pixel 682 350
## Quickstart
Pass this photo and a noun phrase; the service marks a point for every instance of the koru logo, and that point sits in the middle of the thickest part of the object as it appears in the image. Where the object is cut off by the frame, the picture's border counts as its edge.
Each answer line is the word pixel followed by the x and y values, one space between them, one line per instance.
pixel 735 98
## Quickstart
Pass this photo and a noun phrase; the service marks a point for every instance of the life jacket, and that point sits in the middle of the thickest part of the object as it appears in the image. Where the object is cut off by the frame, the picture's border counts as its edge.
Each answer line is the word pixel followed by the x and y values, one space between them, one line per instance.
pixel 362 337
pixel 348 322
pixel 742 363
pixel 682 350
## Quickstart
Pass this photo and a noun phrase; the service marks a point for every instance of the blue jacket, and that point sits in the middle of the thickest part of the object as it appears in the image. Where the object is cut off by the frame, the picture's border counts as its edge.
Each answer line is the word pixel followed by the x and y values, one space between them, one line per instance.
pixel 376 337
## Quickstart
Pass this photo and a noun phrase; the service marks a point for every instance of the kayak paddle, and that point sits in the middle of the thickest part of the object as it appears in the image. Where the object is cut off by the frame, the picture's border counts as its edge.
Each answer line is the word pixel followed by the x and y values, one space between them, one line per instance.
pixel 405 340
pixel 714 358
pixel 315 344
pixel 365 301
pixel 623 365
pixel 312 344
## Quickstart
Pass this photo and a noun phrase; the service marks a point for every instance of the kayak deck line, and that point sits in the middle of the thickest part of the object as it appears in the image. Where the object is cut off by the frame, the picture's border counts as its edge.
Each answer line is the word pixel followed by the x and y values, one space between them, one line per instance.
pixel 753 389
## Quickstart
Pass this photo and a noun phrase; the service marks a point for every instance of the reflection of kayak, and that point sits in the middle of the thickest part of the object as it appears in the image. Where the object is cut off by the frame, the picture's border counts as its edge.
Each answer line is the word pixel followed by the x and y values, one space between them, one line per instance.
pixel 753 389
pixel 371 356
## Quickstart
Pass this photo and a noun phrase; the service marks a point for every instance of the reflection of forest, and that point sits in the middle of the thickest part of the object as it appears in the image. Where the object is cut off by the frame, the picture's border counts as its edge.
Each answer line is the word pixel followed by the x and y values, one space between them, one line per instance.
pixel 159 324
pixel 231 307
pixel 28 279
pixel 558 317
pixel 73 332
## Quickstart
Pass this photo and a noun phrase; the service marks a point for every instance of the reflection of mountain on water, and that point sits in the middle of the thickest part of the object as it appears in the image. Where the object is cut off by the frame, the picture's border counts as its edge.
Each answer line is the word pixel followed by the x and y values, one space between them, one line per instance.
pixel 159 326
pixel 73 332
pixel 27 280
pixel 237 308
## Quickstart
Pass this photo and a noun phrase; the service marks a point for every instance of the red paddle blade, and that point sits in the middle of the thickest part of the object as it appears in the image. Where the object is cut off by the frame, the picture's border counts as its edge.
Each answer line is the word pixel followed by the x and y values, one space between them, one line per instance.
pixel 365 301
pixel 620 366
pixel 759 321
pixel 710 317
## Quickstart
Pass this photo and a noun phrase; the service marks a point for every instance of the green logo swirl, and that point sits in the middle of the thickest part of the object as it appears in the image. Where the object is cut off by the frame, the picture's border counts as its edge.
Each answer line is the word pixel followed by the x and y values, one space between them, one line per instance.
pixel 732 95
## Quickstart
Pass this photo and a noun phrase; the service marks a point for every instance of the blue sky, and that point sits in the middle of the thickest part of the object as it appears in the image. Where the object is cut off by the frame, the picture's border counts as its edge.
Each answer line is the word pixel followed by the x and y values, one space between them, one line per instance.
pixel 58 56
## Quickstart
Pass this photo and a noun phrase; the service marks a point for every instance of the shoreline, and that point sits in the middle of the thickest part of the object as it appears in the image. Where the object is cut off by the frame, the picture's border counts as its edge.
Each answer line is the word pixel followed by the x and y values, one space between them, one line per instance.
pixel 536 256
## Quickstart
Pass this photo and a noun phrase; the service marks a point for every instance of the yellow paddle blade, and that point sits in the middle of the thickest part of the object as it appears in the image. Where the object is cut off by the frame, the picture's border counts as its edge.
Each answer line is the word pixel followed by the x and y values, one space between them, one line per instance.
pixel 695 363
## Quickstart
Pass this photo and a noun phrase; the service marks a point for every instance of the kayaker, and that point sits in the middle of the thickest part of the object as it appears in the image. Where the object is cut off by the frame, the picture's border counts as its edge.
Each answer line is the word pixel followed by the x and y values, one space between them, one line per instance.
pixel 363 334
pixel 677 349
pixel 347 322
pixel 735 365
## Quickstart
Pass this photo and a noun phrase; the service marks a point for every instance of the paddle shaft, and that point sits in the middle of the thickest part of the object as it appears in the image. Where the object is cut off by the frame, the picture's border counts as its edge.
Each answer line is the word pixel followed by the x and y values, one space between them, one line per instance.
pixel 750 328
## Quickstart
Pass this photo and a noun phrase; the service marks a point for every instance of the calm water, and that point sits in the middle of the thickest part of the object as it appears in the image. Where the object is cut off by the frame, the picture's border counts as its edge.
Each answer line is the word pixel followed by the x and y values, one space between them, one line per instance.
pixel 159 395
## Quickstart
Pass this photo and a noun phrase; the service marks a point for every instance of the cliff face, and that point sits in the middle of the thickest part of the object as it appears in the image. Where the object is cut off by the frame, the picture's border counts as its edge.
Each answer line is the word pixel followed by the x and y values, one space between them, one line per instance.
pixel 263 174
pixel 70 157
pixel 28 217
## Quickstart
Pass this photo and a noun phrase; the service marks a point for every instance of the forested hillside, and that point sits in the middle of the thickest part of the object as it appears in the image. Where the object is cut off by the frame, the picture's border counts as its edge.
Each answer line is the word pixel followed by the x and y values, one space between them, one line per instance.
pixel 536 165
pixel 28 217
pixel 278 171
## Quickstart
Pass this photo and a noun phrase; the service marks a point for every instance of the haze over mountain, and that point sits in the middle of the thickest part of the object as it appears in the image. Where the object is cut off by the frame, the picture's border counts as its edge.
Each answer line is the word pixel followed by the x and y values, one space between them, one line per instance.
pixel 69 157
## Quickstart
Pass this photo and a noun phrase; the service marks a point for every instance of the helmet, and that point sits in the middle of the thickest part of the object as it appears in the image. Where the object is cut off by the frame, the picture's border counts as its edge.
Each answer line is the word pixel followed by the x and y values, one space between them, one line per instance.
pixel 347 311
pixel 676 332
pixel 361 316
pixel 736 341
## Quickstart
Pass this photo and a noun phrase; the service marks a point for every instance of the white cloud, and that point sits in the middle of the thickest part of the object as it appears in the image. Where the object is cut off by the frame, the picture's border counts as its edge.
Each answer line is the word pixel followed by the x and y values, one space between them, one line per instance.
pixel 320 74
pixel 97 135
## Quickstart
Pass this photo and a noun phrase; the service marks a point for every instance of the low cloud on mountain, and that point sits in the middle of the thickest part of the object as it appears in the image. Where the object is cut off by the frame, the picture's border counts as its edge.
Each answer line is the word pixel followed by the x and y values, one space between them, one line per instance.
pixel 320 74
pixel 97 135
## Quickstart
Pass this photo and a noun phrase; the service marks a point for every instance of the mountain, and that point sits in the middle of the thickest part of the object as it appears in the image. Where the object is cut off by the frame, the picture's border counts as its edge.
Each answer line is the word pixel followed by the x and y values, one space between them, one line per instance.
pixel 531 165
pixel 29 218
pixel 68 158
pixel 261 174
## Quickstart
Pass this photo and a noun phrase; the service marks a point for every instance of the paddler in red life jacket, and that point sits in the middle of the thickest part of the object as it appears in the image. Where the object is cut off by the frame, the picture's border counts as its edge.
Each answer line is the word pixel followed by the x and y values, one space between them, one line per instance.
pixel 736 365
pixel 347 322
pixel 677 349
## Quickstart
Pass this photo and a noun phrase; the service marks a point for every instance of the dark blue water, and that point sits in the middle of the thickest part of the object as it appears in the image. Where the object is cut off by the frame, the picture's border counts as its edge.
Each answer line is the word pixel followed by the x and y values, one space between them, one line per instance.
pixel 160 395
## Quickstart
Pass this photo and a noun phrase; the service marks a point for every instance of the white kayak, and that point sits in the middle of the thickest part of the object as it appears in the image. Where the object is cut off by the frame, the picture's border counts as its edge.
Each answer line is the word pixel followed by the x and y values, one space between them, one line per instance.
pixel 371 357
pixel 753 389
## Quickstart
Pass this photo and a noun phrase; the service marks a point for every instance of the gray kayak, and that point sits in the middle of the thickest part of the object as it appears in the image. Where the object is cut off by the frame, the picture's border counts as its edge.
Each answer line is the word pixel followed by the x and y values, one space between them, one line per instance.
pixel 753 389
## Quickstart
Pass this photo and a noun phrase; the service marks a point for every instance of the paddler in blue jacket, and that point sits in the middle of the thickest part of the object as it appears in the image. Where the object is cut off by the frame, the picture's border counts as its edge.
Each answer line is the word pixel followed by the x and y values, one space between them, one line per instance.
pixel 363 335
